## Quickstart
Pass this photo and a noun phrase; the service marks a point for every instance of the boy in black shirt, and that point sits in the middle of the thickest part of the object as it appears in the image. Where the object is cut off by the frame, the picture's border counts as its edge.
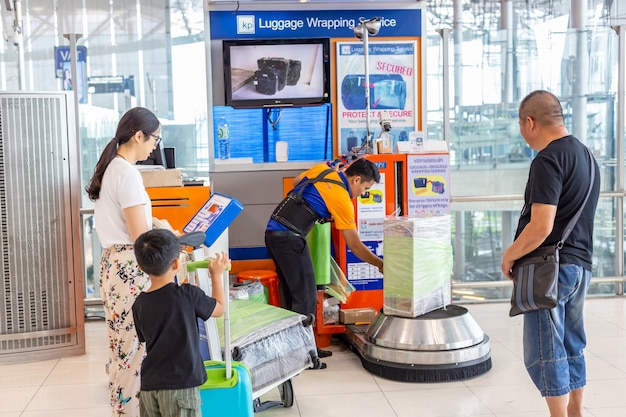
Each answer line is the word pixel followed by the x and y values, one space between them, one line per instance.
pixel 166 320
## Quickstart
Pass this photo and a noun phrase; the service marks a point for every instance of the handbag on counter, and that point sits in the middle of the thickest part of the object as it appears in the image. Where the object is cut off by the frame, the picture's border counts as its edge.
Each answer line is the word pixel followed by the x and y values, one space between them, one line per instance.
pixel 536 275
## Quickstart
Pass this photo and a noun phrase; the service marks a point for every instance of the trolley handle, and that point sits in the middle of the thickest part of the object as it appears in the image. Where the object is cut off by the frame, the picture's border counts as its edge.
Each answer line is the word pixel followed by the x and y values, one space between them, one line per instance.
pixel 204 264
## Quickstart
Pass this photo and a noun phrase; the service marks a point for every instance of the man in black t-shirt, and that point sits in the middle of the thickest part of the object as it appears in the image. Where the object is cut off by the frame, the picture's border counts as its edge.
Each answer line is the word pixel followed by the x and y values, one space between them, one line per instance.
pixel 558 181
pixel 166 320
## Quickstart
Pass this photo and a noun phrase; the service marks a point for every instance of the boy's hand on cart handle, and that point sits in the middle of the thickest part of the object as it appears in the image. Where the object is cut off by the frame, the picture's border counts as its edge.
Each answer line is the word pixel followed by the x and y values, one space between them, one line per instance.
pixel 216 267
pixel 219 263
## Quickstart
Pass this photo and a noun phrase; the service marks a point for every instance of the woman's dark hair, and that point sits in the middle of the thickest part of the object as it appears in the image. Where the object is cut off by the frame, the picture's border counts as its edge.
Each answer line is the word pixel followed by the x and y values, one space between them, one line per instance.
pixel 134 120
pixel 363 168
pixel 155 251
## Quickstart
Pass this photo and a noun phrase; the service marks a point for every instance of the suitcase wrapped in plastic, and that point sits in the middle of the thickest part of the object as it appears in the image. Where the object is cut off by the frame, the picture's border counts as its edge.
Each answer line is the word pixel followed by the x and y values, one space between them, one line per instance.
pixel 414 287
pixel 273 343
pixel 226 397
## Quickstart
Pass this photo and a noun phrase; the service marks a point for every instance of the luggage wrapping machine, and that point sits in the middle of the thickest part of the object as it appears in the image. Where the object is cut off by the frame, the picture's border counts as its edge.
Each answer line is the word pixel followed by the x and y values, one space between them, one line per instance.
pixel 418 336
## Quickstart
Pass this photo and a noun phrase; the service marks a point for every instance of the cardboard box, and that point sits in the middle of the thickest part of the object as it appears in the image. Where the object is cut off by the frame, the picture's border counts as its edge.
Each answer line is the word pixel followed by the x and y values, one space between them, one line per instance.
pixel 384 146
pixel 162 178
pixel 357 315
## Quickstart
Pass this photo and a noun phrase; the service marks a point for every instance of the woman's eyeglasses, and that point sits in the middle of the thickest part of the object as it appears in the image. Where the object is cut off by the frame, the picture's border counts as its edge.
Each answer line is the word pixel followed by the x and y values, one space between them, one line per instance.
pixel 158 139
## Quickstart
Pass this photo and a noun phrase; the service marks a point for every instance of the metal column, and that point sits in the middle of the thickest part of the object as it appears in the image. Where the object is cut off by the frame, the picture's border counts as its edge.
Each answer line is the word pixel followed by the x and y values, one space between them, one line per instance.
pixel 619 152
pixel 458 56
pixel 506 24
pixel 578 20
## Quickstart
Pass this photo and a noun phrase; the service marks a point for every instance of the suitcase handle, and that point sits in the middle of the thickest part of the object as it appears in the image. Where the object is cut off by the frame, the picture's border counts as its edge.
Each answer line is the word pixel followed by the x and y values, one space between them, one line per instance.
pixel 204 264
pixel 228 358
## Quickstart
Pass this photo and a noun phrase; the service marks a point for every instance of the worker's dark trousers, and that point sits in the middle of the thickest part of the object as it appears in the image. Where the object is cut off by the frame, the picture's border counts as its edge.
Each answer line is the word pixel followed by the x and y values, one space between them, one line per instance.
pixel 291 255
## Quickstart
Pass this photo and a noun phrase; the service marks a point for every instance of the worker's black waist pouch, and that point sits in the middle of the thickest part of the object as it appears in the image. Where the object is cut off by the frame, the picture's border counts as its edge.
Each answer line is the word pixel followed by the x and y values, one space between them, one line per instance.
pixel 297 216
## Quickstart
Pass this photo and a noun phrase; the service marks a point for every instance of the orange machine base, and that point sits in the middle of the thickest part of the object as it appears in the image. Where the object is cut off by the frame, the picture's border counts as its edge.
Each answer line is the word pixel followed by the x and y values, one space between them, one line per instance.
pixel 323 332
pixel 365 298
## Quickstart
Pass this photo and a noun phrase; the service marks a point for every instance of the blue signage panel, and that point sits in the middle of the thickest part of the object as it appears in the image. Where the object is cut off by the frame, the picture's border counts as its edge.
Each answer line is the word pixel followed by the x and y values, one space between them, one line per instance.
pixel 310 23
pixel 63 68
pixel 62 57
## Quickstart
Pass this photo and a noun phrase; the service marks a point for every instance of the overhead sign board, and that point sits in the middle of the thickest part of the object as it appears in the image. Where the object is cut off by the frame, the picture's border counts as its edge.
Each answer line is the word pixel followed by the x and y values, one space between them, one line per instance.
pixel 310 23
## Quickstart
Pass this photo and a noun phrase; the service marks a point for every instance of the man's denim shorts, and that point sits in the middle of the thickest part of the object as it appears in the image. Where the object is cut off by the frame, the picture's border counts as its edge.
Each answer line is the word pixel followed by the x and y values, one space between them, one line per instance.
pixel 554 339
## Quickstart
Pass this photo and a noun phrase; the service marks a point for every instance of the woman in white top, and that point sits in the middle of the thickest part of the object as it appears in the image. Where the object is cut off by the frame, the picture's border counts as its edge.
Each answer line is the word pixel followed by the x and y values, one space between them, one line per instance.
pixel 122 212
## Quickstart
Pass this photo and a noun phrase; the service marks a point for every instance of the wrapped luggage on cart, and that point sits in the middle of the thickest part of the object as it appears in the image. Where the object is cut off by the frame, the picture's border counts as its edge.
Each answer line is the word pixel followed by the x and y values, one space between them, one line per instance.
pixel 274 344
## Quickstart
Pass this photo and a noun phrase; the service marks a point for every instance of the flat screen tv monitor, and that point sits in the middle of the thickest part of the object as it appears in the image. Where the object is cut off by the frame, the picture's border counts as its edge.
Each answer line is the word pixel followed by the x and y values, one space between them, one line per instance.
pixel 157 157
pixel 277 72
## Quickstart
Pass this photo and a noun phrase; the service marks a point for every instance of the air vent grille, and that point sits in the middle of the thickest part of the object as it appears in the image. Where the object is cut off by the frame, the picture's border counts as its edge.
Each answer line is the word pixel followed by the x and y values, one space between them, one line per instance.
pixel 37 295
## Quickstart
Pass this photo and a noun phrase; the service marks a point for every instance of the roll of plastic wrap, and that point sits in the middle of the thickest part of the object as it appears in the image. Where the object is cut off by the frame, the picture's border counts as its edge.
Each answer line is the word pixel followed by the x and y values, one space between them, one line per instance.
pixel 319 245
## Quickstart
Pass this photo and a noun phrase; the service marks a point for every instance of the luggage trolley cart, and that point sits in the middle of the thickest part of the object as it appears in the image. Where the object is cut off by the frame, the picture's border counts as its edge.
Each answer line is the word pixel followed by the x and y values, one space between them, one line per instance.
pixel 274 344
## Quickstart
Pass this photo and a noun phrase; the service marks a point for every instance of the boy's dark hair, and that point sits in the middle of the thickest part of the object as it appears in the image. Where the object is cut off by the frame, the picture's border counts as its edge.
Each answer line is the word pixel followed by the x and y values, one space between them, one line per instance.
pixel 365 169
pixel 155 251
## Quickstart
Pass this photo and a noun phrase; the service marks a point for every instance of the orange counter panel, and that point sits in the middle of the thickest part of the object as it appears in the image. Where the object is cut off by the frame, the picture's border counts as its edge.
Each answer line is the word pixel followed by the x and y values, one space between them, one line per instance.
pixel 177 205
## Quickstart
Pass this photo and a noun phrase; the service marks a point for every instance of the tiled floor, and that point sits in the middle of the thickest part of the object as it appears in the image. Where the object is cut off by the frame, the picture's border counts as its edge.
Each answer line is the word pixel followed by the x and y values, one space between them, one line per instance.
pixel 73 387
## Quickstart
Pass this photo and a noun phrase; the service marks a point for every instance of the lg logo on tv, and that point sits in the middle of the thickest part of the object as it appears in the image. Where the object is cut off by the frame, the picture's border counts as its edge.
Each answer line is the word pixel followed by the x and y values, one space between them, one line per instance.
pixel 245 25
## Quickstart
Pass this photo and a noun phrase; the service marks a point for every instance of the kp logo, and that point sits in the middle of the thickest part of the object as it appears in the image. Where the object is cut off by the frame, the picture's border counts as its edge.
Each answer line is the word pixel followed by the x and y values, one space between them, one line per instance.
pixel 245 25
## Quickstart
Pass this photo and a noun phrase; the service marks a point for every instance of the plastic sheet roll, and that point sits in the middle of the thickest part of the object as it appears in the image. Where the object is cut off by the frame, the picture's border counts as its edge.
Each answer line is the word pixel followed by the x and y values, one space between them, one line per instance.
pixel 339 286
pixel 319 246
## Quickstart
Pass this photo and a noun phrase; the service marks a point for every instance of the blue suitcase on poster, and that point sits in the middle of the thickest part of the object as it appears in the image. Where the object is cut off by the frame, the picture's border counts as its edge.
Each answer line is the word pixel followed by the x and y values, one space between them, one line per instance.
pixel 226 397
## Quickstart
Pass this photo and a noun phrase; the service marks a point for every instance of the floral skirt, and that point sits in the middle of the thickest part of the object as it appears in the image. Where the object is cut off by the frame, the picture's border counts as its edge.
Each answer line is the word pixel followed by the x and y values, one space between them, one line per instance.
pixel 121 281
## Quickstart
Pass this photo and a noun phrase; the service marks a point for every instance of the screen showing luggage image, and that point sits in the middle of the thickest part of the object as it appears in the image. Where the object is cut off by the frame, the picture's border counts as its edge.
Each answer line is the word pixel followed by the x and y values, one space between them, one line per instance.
pixel 276 72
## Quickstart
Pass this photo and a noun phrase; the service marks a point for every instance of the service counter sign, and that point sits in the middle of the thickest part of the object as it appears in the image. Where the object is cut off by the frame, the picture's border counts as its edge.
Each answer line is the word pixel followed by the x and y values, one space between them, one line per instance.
pixel 428 184
pixel 392 88
pixel 264 24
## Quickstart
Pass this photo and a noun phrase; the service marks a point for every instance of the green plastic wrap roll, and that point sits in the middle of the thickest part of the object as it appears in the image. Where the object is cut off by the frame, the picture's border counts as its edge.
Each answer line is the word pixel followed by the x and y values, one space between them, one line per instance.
pixel 319 246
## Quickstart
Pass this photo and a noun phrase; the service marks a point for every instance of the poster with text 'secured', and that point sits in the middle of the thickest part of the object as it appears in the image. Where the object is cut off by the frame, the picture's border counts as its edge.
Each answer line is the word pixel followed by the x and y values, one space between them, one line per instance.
pixel 392 84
